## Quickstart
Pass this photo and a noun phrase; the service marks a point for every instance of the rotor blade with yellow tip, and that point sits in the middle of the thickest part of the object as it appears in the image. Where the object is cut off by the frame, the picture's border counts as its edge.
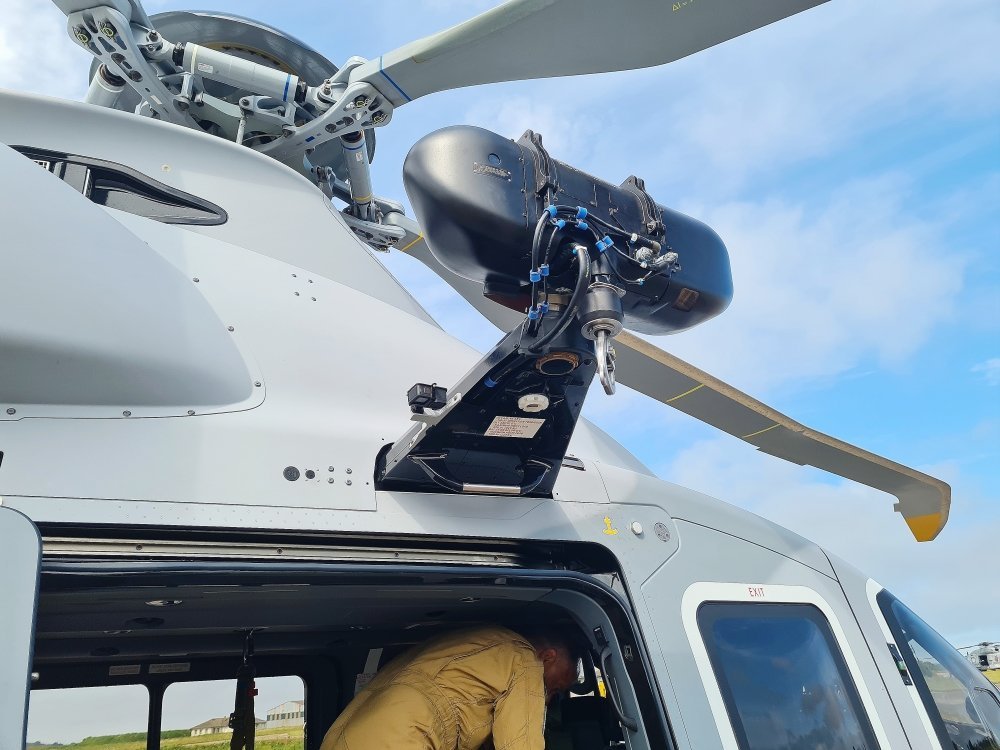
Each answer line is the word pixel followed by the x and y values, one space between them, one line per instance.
pixel 923 501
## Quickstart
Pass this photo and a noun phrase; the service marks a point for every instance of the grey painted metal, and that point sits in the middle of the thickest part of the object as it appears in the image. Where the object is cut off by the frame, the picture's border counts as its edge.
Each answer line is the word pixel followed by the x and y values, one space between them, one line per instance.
pixel 518 41
pixel 710 556
pixel 112 325
pixel 856 587
pixel 220 172
pixel 20 558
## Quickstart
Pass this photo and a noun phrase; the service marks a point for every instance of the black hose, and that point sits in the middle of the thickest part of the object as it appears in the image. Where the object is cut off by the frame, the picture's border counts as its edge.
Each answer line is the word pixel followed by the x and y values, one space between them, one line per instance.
pixel 582 282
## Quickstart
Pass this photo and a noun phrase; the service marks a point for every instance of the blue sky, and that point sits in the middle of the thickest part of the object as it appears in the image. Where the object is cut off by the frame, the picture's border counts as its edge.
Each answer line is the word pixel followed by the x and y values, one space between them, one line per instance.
pixel 850 158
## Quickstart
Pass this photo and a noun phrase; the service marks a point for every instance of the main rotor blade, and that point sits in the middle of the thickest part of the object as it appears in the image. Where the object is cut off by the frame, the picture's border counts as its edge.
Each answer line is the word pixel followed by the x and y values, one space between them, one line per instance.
pixel 526 39
pixel 923 501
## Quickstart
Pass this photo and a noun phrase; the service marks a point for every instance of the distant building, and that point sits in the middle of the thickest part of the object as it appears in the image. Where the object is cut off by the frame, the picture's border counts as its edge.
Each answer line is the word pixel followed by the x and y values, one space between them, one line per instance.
pixel 218 726
pixel 212 726
pixel 288 714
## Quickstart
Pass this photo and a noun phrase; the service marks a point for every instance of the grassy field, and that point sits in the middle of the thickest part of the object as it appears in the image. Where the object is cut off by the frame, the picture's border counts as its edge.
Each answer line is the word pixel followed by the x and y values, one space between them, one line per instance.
pixel 288 738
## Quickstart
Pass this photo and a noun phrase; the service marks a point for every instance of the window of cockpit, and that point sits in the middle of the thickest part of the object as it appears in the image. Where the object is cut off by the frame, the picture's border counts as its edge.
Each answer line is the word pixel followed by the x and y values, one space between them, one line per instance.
pixel 783 677
pixel 94 718
pixel 963 706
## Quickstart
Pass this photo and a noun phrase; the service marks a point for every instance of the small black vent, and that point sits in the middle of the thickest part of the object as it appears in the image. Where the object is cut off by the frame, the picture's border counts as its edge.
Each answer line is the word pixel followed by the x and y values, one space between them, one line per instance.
pixel 117 186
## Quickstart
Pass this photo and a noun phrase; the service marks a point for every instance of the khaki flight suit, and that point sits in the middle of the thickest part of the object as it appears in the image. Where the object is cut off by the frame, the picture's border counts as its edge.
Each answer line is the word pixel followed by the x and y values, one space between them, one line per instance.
pixel 450 693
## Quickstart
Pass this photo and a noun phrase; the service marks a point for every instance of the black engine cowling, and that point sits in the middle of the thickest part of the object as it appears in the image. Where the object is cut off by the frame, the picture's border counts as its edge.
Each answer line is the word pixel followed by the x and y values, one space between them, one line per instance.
pixel 478 197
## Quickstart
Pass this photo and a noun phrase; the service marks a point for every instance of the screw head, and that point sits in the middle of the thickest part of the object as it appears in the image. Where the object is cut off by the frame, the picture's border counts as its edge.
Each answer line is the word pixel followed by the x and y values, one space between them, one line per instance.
pixel 348 482
pixel 330 480
pixel 636 528
pixel 330 469
pixel 12 410
pixel 348 471
pixel 126 413
pixel 230 329
pixel 195 279
pixel 257 383
pixel 190 412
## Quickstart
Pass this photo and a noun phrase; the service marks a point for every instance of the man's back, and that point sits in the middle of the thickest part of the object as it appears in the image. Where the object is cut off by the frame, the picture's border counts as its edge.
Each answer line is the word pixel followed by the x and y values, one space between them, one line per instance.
pixel 451 692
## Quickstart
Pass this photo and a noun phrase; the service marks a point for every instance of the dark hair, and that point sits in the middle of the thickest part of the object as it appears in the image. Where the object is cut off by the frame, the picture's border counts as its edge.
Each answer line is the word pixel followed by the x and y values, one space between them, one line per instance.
pixel 562 637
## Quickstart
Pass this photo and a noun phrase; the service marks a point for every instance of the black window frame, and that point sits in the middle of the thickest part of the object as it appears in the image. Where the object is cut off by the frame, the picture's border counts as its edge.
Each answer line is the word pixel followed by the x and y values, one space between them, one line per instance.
pixel 885 601
pixel 710 611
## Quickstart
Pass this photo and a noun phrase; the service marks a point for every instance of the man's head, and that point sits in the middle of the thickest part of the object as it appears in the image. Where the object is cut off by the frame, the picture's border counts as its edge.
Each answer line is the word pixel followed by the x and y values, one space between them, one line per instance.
pixel 560 654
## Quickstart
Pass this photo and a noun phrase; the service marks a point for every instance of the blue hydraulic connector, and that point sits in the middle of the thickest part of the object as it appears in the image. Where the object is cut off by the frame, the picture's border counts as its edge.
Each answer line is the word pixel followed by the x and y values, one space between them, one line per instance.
pixel 581 212
pixel 544 270
pixel 534 276
pixel 553 210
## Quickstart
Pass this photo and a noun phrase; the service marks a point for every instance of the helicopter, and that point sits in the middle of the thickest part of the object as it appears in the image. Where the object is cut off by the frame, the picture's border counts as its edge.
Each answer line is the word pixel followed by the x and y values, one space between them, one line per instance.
pixel 231 471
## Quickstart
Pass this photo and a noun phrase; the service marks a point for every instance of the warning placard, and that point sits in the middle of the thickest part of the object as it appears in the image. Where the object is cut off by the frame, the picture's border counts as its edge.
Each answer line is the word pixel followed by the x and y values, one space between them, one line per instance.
pixel 118 670
pixel 514 427
pixel 183 666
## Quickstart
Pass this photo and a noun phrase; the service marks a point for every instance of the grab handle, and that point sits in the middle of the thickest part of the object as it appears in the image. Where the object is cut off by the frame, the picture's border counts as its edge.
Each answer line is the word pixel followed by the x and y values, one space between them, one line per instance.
pixel 626 721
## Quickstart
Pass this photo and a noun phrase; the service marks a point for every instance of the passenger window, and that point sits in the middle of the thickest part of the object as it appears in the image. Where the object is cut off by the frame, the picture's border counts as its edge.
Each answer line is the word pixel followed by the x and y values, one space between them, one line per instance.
pixel 961 702
pixel 783 677
pixel 201 709
pixel 91 718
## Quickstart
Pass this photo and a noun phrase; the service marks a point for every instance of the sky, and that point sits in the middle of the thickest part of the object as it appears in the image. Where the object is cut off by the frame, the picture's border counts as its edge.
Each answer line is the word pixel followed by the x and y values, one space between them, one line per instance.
pixel 850 159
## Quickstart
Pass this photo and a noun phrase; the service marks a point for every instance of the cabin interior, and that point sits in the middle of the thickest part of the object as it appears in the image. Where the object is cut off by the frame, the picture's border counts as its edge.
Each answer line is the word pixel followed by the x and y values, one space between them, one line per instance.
pixel 157 615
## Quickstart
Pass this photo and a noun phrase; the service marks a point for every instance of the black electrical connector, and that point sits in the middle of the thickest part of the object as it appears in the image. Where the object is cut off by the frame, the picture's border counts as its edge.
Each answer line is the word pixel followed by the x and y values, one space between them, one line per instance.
pixel 423 396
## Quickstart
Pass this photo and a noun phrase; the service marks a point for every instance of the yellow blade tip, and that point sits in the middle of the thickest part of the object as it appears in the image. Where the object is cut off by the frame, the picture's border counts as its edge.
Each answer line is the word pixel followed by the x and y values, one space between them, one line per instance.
pixel 924 528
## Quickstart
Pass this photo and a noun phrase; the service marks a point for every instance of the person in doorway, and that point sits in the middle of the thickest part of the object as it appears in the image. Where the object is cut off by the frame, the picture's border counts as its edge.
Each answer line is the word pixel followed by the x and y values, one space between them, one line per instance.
pixel 460 690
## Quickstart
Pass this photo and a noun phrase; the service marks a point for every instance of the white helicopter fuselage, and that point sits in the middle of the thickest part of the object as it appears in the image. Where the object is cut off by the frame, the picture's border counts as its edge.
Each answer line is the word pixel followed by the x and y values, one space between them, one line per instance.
pixel 209 382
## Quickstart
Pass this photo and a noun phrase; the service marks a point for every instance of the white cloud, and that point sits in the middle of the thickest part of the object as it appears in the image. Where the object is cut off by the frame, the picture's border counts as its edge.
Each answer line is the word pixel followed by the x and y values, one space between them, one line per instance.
pixel 805 87
pixel 820 289
pixel 36 53
pixel 566 137
pixel 945 581
pixel 990 370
